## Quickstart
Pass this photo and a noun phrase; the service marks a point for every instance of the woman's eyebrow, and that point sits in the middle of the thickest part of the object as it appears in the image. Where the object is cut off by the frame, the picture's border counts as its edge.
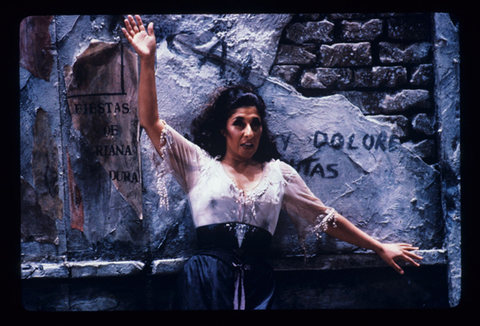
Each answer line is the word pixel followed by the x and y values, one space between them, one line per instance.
pixel 240 118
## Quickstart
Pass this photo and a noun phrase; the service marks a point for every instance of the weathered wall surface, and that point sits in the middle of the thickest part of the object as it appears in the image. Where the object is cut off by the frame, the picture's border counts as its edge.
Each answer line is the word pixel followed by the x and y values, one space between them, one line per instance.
pixel 353 102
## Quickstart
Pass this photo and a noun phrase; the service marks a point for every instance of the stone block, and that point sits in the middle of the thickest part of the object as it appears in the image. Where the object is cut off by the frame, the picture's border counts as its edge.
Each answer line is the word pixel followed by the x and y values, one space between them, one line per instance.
pixel 167 266
pixel 405 99
pixel 424 124
pixel 323 78
pixel 296 55
pixel 44 270
pixel 310 32
pixel 346 54
pixel 381 77
pixel 361 31
pixel 425 148
pixel 368 102
pixel 422 75
pixel 404 53
pixel 104 268
pixel 410 28
pixel 288 73
pixel 371 102
pixel 400 124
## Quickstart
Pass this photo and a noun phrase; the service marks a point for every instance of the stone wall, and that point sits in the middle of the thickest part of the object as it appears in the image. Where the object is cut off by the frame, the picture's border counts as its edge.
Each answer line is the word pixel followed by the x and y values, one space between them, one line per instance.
pixel 382 63
pixel 353 102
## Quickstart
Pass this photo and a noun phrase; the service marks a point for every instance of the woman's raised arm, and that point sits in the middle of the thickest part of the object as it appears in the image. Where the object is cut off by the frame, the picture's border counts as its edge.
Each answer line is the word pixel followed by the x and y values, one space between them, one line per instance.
pixel 143 41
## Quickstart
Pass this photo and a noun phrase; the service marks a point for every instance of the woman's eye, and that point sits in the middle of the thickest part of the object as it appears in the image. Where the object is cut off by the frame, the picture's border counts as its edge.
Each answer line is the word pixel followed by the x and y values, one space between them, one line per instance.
pixel 256 124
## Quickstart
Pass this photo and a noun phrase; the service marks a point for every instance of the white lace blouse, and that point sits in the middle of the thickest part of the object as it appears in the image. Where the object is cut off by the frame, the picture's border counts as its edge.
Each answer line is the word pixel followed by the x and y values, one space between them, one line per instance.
pixel 215 198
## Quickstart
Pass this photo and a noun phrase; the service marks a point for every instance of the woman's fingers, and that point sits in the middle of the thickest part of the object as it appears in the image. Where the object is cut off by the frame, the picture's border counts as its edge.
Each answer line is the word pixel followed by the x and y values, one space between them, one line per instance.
pixel 409 256
pixel 128 37
pixel 412 255
pixel 132 27
pixel 140 23
pixel 396 267
pixel 150 29
pixel 410 260
pixel 400 251
pixel 128 28
pixel 142 41
pixel 407 248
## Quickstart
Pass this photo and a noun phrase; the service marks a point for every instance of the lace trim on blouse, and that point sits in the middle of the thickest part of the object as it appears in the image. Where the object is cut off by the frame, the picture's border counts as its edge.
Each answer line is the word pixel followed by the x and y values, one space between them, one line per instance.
pixel 166 149
pixel 323 220
pixel 163 169
pixel 167 139
pixel 250 197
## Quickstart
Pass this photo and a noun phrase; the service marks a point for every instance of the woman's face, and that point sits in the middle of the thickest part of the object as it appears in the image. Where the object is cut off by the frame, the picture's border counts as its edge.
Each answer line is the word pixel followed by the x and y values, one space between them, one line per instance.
pixel 243 131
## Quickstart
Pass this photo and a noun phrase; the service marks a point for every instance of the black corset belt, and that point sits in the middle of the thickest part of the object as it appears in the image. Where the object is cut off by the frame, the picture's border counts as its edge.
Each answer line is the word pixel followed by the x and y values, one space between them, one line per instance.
pixel 239 245
pixel 243 239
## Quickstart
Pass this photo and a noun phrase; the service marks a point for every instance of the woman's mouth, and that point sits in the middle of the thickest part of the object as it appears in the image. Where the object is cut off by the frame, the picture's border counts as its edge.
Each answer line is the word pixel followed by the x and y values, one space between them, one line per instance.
pixel 247 145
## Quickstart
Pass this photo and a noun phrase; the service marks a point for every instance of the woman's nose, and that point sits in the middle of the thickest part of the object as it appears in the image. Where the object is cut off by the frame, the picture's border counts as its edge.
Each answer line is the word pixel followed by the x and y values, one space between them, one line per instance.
pixel 248 131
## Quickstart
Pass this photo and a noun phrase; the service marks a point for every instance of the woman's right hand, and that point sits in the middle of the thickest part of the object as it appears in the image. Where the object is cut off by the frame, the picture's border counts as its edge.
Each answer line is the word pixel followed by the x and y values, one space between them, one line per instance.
pixel 143 41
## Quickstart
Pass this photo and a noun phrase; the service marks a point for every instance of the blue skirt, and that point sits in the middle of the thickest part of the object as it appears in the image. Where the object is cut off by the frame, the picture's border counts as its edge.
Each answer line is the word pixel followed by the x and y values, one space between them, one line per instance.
pixel 228 271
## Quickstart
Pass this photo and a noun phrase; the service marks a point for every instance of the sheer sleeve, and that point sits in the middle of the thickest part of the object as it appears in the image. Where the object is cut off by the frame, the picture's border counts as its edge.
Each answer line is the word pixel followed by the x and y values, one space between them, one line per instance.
pixel 182 158
pixel 301 204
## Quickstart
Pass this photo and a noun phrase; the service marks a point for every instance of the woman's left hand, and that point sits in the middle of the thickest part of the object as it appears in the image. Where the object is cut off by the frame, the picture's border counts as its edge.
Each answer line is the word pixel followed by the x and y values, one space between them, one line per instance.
pixel 390 252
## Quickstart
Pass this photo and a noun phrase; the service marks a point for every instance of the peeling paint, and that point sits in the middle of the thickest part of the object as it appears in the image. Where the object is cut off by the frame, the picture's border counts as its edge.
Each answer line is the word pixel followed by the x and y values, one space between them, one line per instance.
pixel 102 98
pixel 45 167
pixel 41 204
pixel 35 46
pixel 375 175
pixel 35 225
pixel 75 199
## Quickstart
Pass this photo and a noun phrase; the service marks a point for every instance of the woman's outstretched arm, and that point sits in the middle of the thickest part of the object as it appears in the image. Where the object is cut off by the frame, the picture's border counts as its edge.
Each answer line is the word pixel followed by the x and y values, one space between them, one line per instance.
pixel 389 252
pixel 143 41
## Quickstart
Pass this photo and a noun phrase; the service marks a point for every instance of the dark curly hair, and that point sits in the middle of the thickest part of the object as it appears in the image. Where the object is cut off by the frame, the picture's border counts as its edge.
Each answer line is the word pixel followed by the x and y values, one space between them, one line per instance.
pixel 206 127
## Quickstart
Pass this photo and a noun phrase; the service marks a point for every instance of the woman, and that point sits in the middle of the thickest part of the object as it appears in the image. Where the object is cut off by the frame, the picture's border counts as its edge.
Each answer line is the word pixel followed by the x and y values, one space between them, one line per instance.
pixel 236 187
